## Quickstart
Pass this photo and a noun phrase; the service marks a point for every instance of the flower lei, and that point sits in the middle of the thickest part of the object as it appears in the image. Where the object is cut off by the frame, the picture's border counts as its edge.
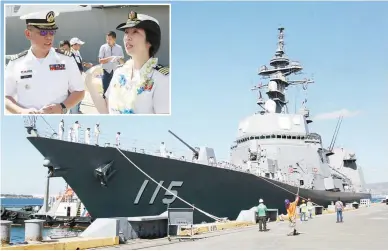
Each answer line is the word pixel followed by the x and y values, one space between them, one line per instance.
pixel 145 83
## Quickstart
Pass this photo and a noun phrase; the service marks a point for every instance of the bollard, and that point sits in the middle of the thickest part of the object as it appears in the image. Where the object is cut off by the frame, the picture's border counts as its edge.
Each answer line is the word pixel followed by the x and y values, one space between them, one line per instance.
pixel 34 230
pixel 5 231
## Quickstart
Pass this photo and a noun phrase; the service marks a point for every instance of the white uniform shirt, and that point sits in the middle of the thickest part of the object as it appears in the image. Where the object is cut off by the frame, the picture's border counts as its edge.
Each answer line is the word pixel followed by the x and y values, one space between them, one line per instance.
pixel 35 83
pixel 148 92
pixel 118 139
pixel 87 136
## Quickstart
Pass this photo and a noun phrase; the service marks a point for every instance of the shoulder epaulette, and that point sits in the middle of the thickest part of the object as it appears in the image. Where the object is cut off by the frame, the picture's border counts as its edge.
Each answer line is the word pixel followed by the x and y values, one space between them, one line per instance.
pixel 63 52
pixel 162 69
pixel 16 56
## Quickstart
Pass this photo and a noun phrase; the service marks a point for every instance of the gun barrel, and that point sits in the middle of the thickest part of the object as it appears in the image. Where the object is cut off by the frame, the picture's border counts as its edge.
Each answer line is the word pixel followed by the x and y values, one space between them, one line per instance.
pixel 181 140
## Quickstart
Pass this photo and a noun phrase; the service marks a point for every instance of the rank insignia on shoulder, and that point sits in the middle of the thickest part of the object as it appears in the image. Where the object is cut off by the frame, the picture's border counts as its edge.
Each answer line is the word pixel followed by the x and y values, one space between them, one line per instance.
pixel 66 53
pixel 19 55
pixel 162 69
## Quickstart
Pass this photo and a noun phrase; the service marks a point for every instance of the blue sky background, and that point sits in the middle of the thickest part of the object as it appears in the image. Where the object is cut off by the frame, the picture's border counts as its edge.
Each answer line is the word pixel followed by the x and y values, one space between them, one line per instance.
pixel 216 50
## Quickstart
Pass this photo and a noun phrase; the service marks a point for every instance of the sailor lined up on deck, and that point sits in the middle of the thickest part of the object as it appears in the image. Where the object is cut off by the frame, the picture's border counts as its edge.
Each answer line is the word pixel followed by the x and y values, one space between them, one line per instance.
pixel 61 129
pixel 87 136
pixel 70 134
pixel 162 149
pixel 29 76
pixel 141 85
pixel 118 139
pixel 76 128
pixel 97 133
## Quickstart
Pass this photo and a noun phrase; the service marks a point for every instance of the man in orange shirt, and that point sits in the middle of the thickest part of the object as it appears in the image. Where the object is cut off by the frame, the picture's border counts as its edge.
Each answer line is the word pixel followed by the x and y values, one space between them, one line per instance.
pixel 291 213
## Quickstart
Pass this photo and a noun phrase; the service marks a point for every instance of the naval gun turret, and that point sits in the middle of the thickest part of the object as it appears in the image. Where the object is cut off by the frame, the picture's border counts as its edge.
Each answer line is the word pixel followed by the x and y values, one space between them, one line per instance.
pixel 202 155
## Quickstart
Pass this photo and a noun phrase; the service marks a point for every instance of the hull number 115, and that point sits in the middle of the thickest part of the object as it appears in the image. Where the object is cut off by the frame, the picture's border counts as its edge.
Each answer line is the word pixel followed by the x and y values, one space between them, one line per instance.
pixel 156 192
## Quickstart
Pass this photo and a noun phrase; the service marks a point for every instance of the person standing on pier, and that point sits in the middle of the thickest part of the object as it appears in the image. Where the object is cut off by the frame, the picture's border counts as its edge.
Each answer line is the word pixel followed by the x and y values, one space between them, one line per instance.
pixel 339 207
pixel 262 215
pixel 97 132
pixel 61 129
pixel 87 136
pixel 291 213
pixel 303 211
pixel 310 208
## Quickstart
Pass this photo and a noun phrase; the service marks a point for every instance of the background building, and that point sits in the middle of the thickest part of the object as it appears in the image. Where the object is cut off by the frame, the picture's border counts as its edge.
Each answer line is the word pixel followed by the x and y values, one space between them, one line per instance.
pixel 89 23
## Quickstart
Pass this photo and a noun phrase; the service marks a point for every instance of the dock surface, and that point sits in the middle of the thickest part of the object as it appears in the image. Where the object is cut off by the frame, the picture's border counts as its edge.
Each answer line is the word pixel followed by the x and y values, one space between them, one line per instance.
pixel 363 228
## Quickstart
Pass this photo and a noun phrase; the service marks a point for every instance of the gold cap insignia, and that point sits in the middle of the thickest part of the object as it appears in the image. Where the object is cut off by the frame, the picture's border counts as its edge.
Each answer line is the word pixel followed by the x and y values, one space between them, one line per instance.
pixel 50 17
pixel 132 16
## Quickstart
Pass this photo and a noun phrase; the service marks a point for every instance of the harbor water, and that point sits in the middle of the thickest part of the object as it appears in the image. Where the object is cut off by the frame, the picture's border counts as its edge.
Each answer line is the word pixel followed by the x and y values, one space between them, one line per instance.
pixel 18 232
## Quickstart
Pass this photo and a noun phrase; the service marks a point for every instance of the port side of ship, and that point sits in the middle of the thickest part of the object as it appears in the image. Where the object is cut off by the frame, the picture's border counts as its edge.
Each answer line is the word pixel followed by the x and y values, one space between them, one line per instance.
pixel 273 156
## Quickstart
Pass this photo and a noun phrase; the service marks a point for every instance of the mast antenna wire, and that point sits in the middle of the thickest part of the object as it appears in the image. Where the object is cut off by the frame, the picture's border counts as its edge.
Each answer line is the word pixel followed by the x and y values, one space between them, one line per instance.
pixel 167 190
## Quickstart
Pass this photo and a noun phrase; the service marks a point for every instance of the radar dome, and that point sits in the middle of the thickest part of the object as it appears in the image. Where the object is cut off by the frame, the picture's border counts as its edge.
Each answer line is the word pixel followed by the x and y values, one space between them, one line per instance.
pixel 270 106
pixel 272 86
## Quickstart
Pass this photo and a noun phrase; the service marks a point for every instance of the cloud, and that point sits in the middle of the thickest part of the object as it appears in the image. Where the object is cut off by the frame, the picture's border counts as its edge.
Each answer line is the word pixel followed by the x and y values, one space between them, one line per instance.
pixel 335 114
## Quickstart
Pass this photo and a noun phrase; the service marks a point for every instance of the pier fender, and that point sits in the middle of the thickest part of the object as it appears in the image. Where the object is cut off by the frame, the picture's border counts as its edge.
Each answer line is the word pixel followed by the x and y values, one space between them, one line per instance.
pixel 247 215
pixel 102 228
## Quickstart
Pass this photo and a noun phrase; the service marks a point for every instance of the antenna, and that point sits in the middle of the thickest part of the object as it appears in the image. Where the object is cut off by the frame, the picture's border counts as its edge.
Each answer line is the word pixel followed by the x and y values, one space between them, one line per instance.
pixel 335 135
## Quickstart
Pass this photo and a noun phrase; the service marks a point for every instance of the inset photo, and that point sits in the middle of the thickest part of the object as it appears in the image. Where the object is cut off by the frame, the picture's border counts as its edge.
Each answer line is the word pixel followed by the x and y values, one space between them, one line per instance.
pixel 87 59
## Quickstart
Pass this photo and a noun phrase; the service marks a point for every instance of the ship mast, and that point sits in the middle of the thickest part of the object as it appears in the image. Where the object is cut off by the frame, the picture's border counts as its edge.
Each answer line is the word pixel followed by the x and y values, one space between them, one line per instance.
pixel 280 68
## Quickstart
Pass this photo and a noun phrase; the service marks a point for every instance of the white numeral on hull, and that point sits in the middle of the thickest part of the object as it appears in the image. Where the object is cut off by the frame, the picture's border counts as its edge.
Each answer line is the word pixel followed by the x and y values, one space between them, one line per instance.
pixel 166 201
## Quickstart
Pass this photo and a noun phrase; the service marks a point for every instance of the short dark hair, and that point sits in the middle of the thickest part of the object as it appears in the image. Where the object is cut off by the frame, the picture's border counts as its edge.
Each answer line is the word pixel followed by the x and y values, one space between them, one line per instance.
pixel 154 39
pixel 111 34
pixel 63 42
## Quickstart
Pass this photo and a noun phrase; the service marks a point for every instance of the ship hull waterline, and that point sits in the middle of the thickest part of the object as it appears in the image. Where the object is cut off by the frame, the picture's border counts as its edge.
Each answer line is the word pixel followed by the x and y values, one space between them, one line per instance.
pixel 217 191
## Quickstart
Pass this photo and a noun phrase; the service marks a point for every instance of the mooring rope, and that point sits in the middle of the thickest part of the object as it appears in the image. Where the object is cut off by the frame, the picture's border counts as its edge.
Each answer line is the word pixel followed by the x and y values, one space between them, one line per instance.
pixel 184 201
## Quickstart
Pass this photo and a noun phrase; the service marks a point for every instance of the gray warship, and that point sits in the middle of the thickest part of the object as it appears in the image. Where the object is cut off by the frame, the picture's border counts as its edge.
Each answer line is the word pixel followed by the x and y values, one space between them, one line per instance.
pixel 273 157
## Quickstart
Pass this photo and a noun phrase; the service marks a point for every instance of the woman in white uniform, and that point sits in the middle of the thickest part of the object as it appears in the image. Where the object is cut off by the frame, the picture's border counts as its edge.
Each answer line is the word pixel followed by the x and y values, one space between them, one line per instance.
pixel 141 85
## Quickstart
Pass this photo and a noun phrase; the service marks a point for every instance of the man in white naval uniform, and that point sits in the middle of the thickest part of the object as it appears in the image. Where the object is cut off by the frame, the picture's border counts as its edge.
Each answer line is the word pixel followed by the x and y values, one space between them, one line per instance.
pixel 39 80
pixel 87 136
pixel 76 128
pixel 70 134
pixel 163 150
pixel 118 139
pixel 61 130
pixel 97 132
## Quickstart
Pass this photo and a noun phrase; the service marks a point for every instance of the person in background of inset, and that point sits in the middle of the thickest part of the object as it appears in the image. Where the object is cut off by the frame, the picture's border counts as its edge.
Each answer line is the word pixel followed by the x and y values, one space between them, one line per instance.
pixel 141 85
pixel 110 56
pixel 29 75
pixel 64 45
pixel 76 44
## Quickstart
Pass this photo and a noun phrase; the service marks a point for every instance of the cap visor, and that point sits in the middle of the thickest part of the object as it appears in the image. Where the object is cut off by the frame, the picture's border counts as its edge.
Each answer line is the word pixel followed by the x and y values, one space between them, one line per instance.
pixel 123 26
pixel 45 27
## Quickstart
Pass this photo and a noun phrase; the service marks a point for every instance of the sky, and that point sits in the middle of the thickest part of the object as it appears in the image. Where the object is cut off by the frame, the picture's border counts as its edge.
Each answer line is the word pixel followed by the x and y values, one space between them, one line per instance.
pixel 217 48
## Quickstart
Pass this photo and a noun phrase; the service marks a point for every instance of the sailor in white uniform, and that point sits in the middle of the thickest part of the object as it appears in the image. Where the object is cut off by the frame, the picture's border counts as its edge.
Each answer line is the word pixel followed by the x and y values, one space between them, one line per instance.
pixel 38 80
pixel 118 139
pixel 87 136
pixel 76 128
pixel 97 132
pixel 141 85
pixel 70 134
pixel 61 130
pixel 163 150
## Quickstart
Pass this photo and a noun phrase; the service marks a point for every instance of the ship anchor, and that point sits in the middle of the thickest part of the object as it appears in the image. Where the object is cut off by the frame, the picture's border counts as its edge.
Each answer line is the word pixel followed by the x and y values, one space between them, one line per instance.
pixel 104 173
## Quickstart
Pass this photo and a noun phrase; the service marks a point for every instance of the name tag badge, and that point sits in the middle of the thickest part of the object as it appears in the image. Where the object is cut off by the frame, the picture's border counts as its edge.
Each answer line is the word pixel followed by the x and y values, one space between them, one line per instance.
pixel 26 74
pixel 57 67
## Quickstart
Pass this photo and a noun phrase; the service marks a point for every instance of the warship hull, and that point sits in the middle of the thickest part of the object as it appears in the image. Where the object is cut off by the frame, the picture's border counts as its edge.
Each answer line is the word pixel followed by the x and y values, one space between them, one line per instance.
pixel 128 192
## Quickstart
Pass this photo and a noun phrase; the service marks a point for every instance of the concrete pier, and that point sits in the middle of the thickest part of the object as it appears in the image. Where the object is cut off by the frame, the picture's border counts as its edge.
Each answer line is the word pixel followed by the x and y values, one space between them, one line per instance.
pixel 363 228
